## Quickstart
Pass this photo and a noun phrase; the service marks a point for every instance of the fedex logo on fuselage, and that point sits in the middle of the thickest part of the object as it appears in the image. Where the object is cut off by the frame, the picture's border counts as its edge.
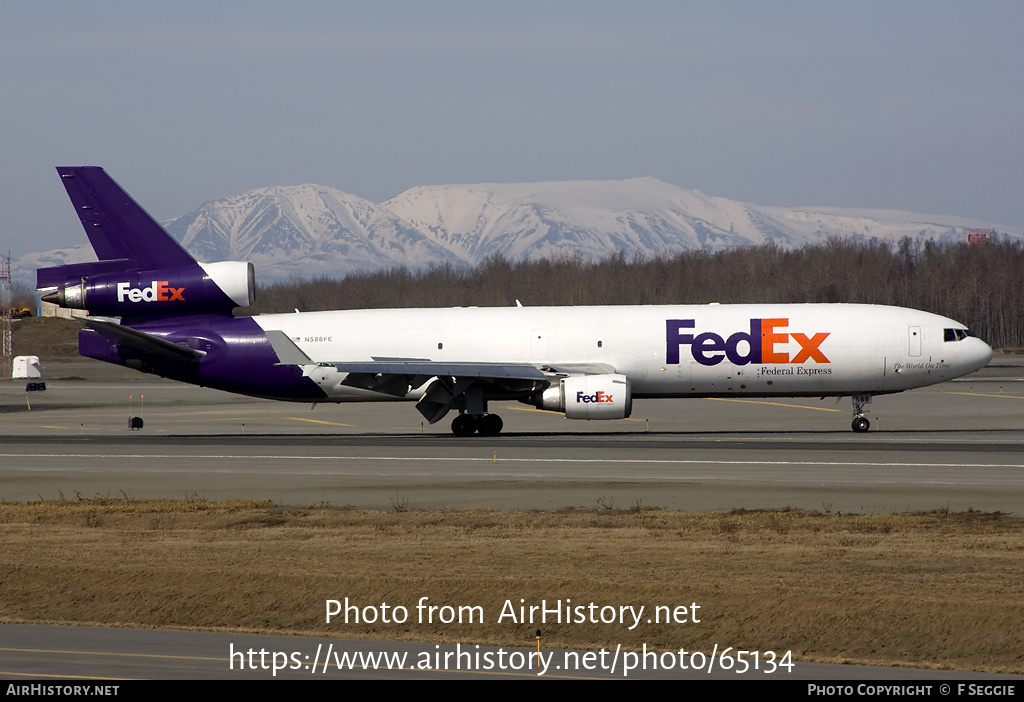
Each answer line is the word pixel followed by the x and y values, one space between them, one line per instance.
pixel 159 291
pixel 759 345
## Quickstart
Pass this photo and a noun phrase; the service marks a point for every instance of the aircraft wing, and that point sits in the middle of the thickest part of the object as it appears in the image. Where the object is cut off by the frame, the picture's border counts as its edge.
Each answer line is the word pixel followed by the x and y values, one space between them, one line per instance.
pixel 445 380
pixel 290 354
pixel 429 368
pixel 398 376
pixel 578 368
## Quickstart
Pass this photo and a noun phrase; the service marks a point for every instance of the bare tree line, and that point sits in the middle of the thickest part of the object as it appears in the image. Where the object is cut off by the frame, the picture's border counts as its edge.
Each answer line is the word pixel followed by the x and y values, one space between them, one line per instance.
pixel 979 285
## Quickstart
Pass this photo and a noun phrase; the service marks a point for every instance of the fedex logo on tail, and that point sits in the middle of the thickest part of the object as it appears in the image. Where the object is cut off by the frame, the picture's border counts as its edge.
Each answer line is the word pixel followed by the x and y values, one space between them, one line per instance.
pixel 159 291
pixel 758 345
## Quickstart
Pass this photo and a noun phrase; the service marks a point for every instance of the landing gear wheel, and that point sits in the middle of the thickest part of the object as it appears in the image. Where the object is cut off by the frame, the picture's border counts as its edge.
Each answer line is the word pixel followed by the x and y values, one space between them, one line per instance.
pixel 860 422
pixel 490 425
pixel 464 425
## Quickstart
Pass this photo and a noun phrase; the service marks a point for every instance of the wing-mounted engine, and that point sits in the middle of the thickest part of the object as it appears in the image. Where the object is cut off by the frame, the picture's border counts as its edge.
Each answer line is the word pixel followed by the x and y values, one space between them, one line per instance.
pixel 606 396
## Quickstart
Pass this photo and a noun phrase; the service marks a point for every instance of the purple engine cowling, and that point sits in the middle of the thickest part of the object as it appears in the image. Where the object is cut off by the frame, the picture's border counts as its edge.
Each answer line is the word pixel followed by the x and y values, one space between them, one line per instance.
pixel 168 292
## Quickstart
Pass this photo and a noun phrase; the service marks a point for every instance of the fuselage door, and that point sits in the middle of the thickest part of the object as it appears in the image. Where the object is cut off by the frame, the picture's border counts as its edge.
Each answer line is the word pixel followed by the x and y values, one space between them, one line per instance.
pixel 915 341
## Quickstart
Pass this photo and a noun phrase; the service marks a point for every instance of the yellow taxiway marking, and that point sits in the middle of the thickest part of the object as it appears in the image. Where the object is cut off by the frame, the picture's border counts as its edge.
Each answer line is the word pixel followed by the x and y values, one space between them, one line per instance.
pixel 110 653
pixel 982 394
pixel 320 421
pixel 94 653
pixel 777 404
pixel 308 667
pixel 528 409
pixel 213 419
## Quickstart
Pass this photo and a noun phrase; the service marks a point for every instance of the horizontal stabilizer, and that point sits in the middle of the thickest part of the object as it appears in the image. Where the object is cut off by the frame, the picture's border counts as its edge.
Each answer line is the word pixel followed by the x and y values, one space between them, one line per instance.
pixel 141 341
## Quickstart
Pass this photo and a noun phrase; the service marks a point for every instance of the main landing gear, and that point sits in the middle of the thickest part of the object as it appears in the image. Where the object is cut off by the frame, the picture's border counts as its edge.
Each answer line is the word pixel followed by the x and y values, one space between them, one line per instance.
pixel 483 424
pixel 860 420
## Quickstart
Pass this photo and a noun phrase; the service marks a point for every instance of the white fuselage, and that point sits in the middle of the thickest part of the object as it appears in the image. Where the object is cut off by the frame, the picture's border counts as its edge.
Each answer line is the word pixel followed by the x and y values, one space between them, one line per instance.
pixel 666 351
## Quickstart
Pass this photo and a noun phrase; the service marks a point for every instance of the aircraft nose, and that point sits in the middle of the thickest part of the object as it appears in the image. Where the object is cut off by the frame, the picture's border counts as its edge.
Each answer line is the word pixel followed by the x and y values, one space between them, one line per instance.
pixel 981 353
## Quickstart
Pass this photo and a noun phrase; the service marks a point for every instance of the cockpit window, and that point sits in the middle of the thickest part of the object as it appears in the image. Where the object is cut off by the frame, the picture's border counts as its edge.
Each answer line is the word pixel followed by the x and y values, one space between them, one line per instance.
pixel 956 334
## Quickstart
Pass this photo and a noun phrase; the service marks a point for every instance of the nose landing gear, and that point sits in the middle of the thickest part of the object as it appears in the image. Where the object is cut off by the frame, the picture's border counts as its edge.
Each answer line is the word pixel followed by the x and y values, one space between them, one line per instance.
pixel 860 420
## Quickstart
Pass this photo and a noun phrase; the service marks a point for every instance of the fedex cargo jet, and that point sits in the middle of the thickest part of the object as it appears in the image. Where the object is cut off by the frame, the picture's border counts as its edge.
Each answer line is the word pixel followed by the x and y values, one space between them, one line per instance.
pixel 156 309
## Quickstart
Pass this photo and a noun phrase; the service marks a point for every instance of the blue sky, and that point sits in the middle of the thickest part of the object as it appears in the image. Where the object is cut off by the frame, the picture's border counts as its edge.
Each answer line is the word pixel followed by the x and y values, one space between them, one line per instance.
pixel 909 105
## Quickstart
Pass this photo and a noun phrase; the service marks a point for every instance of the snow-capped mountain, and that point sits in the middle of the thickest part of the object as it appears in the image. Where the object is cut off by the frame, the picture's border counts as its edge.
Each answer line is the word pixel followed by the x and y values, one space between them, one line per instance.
pixel 303 230
pixel 594 218
pixel 310 230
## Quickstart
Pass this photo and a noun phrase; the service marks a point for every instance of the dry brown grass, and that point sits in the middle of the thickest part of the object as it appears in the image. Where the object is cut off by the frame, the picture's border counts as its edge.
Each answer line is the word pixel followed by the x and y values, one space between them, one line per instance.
pixel 50 338
pixel 928 590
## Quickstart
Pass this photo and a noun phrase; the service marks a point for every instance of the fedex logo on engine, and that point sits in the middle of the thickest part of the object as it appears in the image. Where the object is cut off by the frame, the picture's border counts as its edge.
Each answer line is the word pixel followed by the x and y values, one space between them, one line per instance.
pixel 599 396
pixel 159 291
pixel 759 345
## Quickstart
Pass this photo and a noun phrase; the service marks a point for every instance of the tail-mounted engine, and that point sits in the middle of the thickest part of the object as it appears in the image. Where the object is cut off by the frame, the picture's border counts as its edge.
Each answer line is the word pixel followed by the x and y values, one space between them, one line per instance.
pixel 206 287
pixel 588 397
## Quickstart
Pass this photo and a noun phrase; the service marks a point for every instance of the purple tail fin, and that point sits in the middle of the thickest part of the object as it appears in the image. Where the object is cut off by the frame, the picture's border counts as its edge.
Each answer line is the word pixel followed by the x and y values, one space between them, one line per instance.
pixel 142 272
pixel 117 227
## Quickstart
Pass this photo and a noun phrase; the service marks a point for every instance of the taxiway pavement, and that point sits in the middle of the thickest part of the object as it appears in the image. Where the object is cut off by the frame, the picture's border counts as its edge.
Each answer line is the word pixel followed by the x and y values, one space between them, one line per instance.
pixel 955 446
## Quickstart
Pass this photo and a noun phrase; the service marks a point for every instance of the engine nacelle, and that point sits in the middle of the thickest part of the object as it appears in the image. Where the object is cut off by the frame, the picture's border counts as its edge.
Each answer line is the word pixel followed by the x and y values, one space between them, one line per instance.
pixel 165 292
pixel 589 397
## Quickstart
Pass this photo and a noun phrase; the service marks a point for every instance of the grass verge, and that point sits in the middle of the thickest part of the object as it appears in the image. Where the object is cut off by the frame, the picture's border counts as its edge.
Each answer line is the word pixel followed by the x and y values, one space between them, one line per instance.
pixel 939 589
